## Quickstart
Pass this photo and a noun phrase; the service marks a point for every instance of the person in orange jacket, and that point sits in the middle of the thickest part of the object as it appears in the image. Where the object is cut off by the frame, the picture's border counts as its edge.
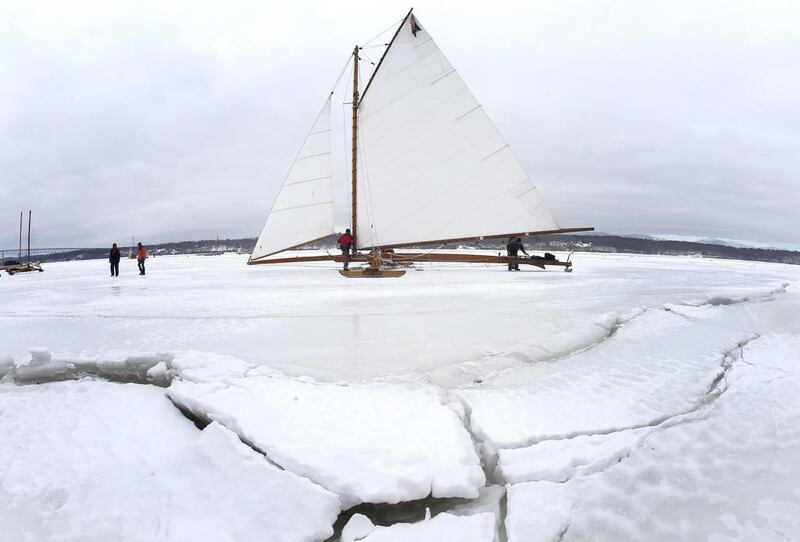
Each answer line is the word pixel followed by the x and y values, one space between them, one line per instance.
pixel 141 258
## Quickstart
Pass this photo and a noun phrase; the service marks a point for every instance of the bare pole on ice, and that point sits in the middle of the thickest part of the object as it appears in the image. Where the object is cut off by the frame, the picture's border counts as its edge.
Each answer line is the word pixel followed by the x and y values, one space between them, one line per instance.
pixel 19 252
pixel 29 237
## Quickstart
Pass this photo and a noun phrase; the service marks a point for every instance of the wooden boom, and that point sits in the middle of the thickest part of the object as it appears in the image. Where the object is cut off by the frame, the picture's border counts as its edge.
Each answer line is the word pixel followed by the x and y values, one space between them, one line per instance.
pixel 430 257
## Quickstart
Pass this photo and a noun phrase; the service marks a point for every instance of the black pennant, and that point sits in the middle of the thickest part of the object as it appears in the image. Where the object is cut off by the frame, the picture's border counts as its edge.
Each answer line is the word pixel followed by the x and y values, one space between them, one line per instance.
pixel 415 27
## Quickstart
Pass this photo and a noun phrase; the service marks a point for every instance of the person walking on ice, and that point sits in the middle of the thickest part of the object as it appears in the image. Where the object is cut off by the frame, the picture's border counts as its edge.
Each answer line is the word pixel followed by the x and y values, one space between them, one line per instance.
pixel 141 257
pixel 113 259
pixel 345 244
pixel 513 247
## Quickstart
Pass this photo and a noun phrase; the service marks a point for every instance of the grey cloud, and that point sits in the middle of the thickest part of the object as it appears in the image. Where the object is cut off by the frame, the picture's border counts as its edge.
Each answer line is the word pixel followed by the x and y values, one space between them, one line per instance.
pixel 180 122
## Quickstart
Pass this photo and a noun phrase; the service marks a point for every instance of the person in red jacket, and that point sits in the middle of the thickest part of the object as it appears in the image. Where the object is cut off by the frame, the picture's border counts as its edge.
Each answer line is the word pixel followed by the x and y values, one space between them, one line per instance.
pixel 345 244
pixel 141 258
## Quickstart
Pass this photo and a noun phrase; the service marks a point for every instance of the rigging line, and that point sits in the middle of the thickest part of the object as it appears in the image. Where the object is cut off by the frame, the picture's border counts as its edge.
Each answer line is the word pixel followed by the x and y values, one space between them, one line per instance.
pixel 341 73
pixel 349 190
pixel 366 187
pixel 394 24
pixel 299 152
pixel 373 229
pixel 369 59
pixel 345 177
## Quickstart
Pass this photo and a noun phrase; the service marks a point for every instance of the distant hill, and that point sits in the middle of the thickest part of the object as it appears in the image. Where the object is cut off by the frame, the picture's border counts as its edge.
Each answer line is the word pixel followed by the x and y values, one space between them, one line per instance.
pixel 640 244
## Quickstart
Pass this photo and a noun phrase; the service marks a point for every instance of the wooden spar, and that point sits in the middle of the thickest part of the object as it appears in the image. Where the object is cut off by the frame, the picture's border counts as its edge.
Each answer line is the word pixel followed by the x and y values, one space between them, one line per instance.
pixel 304 243
pixel 301 259
pixel 482 237
pixel 391 41
pixel 354 190
pixel 424 257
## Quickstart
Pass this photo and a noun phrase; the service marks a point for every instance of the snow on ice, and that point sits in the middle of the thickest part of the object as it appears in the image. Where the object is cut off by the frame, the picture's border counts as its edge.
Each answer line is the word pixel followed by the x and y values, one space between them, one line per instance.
pixel 97 461
pixel 366 442
pixel 726 471
pixel 640 397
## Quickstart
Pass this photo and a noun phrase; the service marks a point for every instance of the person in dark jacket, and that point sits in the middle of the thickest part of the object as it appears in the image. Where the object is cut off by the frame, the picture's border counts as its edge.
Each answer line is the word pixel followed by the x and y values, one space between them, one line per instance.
pixel 141 256
pixel 513 247
pixel 346 244
pixel 113 259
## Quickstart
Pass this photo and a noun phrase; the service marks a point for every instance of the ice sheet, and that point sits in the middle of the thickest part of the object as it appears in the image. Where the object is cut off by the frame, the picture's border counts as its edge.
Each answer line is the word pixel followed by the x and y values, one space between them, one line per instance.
pixel 365 442
pixel 220 489
pixel 610 380
pixel 446 324
pixel 657 365
pixel 726 472
pixel 96 461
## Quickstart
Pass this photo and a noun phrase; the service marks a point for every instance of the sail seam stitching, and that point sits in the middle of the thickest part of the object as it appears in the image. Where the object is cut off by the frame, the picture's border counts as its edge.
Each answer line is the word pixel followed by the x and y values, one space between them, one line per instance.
pixel 308 180
pixel 504 147
pixel 301 206
pixel 312 156
pixel 468 112
pixel 448 74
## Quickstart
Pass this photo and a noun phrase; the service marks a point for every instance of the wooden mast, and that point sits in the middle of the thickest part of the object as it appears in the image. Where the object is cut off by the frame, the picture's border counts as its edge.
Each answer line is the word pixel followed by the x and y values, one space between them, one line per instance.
pixel 354 191
pixel 19 252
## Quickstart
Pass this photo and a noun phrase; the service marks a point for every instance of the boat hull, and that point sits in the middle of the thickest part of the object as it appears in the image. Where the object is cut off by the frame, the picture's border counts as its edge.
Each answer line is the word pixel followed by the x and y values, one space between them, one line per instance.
pixel 372 273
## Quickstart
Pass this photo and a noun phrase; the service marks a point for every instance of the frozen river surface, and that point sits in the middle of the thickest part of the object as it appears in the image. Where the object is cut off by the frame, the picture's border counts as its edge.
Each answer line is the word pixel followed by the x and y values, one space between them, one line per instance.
pixel 639 397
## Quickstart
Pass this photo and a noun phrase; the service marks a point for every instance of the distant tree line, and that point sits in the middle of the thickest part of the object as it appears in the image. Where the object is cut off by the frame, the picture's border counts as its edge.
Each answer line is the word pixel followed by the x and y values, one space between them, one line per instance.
pixel 549 243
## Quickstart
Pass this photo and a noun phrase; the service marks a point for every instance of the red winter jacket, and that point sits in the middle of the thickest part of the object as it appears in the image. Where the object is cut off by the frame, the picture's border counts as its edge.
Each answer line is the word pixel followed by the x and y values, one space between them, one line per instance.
pixel 142 253
pixel 345 241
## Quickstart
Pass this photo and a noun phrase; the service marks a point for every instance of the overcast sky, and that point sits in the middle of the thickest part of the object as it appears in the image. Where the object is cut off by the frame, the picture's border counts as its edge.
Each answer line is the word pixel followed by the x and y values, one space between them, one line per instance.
pixel 176 121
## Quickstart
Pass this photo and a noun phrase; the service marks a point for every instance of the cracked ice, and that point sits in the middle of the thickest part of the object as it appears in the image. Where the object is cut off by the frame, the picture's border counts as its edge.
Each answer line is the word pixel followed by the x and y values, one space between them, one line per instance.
pixel 627 400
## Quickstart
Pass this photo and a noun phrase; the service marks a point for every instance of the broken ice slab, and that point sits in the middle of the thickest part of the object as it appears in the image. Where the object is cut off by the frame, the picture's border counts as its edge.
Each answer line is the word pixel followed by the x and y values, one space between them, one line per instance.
pixel 91 460
pixel 367 443
pixel 219 485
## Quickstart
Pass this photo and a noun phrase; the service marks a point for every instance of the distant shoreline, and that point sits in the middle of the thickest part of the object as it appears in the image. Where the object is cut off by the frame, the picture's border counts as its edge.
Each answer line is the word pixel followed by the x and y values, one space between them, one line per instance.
pixel 561 243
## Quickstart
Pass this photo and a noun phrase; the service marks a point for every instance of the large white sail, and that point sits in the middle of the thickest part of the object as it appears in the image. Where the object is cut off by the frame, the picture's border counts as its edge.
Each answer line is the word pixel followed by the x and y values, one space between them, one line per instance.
pixel 303 210
pixel 433 166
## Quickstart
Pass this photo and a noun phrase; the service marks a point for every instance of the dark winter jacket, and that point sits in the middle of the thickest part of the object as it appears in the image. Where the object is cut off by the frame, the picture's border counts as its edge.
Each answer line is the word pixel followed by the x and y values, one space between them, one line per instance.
pixel 113 256
pixel 514 246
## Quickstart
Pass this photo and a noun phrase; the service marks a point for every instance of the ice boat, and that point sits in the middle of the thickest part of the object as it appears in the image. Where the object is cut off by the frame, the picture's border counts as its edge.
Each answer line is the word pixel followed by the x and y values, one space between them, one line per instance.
pixel 428 168
pixel 18 266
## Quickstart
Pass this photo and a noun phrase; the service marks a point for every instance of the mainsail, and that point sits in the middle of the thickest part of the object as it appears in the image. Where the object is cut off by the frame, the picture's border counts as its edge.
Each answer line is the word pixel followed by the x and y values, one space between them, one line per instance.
pixel 433 166
pixel 303 210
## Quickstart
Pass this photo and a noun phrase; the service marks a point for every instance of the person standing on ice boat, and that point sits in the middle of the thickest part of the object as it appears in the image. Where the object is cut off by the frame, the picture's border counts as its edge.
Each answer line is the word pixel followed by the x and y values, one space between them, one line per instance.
pixel 113 259
pixel 141 257
pixel 513 247
pixel 346 244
